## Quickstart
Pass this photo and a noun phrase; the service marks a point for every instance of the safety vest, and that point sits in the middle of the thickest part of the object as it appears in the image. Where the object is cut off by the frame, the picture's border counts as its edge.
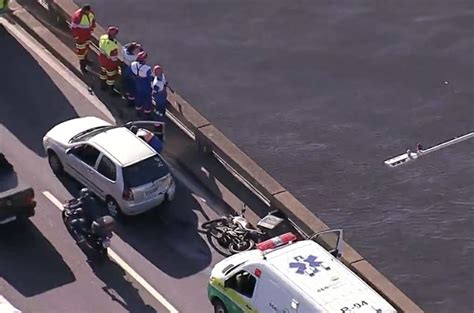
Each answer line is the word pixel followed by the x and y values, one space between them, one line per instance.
pixel 3 4
pixel 107 45
pixel 85 22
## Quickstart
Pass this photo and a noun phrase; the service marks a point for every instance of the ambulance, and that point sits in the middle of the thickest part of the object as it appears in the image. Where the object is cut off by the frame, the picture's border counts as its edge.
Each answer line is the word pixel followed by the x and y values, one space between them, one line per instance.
pixel 287 275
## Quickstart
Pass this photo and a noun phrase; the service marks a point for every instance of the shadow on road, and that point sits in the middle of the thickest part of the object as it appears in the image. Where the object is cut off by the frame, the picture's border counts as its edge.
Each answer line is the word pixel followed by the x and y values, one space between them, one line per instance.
pixel 29 262
pixel 38 103
pixel 117 287
pixel 167 236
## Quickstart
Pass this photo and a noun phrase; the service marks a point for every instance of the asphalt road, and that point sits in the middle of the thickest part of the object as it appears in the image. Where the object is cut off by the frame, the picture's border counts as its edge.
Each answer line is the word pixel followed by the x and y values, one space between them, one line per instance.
pixel 333 88
pixel 41 268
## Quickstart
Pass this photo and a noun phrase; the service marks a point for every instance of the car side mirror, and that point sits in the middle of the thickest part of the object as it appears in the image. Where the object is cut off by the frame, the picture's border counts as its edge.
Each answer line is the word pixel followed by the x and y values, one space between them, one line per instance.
pixel 228 283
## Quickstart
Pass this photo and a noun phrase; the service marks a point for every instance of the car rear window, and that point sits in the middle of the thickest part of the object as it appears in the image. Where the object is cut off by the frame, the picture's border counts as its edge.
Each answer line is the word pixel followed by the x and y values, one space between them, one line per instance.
pixel 144 172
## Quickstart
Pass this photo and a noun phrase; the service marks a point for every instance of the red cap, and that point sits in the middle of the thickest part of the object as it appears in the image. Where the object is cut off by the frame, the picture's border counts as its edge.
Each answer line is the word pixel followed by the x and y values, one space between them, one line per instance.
pixel 157 70
pixel 112 30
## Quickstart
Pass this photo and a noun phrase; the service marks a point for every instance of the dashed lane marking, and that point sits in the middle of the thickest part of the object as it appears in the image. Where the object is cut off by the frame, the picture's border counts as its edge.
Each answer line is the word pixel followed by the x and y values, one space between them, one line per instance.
pixel 127 268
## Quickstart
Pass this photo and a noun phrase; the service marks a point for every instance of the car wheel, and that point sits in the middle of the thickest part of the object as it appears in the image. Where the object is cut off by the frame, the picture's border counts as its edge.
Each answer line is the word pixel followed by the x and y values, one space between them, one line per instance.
pixel 219 307
pixel 113 208
pixel 55 163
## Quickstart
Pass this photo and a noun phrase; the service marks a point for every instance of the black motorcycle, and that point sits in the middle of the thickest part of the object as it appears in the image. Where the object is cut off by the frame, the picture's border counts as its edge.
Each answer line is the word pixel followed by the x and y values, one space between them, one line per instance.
pixel 233 232
pixel 97 235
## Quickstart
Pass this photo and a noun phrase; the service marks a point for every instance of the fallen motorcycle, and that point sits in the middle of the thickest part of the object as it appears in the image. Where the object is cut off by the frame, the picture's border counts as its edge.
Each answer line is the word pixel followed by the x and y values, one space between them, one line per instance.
pixel 233 232
pixel 97 236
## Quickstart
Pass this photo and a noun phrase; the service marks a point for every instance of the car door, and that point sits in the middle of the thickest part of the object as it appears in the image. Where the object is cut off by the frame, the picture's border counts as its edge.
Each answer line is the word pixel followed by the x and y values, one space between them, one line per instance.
pixel 106 179
pixel 240 289
pixel 331 240
pixel 82 160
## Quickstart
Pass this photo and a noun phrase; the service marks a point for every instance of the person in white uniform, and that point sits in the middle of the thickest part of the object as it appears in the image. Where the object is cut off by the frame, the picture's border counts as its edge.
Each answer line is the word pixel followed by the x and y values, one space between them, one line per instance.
pixel 129 54
pixel 159 93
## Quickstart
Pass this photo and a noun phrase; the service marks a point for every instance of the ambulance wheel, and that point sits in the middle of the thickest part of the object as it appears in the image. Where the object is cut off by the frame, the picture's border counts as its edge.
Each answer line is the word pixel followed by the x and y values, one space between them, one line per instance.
pixel 219 307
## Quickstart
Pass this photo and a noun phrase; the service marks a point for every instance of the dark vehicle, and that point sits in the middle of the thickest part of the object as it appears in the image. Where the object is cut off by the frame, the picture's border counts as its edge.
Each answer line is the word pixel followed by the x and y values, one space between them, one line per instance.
pixel 17 200
pixel 97 235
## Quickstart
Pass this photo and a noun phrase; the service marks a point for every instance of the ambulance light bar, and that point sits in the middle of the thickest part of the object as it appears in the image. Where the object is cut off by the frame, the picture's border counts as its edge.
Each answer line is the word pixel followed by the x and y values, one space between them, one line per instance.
pixel 277 241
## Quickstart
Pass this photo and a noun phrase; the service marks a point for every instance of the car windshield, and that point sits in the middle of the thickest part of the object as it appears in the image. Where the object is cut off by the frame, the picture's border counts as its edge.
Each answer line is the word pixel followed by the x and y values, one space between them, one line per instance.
pixel 88 133
pixel 145 172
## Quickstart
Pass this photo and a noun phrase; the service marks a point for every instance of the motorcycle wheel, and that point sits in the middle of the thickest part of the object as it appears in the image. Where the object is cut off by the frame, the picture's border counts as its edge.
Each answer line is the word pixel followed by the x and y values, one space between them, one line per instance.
pixel 64 216
pixel 214 223
pixel 220 235
pixel 242 245
pixel 67 224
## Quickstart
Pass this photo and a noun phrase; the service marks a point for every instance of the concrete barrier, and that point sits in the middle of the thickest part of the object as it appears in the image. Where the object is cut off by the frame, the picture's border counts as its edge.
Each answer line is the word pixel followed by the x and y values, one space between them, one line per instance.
pixel 209 140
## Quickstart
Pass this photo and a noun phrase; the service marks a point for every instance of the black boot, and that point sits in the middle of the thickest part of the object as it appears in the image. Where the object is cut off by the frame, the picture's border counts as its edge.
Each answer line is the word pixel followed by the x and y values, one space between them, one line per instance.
pixel 83 65
pixel 131 103
pixel 114 92
pixel 88 61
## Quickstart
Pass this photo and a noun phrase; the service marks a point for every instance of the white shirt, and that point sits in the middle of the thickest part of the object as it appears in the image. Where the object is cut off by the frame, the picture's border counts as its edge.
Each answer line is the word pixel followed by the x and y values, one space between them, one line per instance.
pixel 140 70
pixel 128 58
pixel 159 84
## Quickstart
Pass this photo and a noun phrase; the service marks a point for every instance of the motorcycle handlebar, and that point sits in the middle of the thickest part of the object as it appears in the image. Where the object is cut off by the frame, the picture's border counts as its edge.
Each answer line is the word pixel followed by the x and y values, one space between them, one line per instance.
pixel 73 204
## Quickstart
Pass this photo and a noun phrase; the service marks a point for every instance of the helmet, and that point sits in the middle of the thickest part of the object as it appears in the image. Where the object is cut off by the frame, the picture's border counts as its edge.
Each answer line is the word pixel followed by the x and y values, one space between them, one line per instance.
pixel 142 56
pixel 157 70
pixel 84 193
pixel 112 30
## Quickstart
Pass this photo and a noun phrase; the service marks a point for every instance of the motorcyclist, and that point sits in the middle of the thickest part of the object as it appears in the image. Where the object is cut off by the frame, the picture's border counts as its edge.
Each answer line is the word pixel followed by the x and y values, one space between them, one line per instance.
pixel 84 213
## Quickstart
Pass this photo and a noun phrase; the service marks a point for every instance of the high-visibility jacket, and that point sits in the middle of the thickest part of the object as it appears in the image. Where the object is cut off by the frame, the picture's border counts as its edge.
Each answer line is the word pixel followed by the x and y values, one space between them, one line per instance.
pixel 108 48
pixel 3 4
pixel 82 24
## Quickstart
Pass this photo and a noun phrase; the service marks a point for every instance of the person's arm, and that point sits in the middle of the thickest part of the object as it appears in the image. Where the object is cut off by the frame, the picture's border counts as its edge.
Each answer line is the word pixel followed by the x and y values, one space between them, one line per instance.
pixel 149 76
pixel 93 21
pixel 75 20
pixel 114 55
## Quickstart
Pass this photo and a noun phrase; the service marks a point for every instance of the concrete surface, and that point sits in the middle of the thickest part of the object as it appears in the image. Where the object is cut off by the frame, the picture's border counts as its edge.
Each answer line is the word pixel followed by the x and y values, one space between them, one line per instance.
pixel 332 89
pixel 41 269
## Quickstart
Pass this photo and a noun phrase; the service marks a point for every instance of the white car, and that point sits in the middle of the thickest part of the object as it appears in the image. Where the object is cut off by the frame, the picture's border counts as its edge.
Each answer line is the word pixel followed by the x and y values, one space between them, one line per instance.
pixel 112 162
pixel 7 307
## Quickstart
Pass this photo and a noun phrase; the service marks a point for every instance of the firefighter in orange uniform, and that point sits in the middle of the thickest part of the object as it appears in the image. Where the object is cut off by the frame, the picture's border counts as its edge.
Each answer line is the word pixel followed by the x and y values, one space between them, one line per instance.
pixel 82 26
pixel 108 59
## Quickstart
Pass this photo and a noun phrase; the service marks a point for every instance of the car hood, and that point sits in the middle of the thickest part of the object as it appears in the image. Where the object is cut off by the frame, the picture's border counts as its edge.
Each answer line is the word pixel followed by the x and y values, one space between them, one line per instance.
pixel 63 132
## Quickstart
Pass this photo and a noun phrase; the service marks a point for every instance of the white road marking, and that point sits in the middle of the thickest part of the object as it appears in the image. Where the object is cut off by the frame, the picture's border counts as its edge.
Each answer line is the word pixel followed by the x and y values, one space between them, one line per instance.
pixel 127 268
pixel 53 200
pixel 27 40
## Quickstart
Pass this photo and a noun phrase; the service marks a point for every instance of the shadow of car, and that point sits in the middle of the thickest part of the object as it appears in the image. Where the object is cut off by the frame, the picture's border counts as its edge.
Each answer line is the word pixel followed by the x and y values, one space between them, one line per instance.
pixel 29 262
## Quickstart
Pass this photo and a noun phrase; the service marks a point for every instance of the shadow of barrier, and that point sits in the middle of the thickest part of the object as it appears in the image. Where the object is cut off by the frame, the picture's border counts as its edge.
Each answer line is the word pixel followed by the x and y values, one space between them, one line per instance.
pixel 209 142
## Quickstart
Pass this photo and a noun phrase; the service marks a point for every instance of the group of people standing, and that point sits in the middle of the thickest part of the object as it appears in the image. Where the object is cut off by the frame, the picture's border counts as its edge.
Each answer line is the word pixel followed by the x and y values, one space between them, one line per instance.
pixel 144 87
